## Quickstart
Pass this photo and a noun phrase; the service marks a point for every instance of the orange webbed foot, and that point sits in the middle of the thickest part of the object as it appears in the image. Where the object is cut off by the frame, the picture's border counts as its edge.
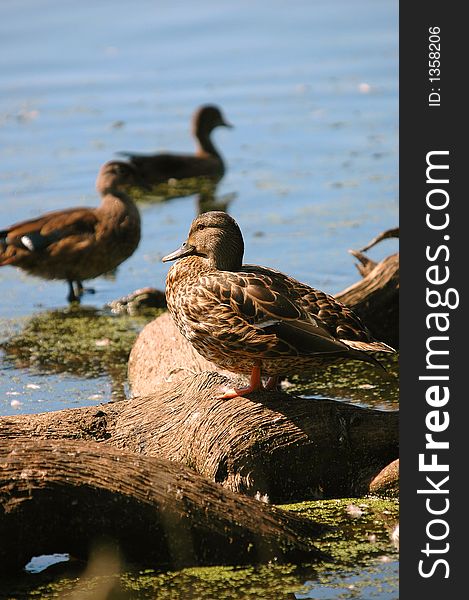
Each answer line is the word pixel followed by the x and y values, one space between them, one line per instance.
pixel 255 385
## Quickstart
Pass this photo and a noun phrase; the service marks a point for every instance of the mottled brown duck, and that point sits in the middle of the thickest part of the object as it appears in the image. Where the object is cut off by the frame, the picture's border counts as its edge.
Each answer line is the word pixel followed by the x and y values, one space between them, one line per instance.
pixel 251 319
pixel 206 162
pixel 78 243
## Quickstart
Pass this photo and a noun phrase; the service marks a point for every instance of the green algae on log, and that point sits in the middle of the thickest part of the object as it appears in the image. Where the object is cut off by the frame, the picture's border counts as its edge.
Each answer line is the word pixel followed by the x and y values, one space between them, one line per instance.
pixel 359 528
pixel 354 382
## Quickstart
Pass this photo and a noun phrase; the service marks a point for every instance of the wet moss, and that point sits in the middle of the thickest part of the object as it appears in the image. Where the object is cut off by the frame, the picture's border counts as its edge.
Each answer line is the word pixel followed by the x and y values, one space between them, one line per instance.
pixel 360 528
pixel 364 560
pixel 354 381
pixel 221 583
pixel 82 341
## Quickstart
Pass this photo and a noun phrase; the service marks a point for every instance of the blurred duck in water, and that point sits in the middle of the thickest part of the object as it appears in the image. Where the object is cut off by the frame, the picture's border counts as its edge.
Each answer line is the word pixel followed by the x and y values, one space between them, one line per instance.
pixel 79 243
pixel 206 162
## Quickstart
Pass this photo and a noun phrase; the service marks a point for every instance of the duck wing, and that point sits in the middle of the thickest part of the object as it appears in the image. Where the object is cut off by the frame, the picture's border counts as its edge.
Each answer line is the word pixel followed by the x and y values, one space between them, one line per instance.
pixel 337 318
pixel 260 312
pixel 164 161
pixel 159 168
pixel 38 235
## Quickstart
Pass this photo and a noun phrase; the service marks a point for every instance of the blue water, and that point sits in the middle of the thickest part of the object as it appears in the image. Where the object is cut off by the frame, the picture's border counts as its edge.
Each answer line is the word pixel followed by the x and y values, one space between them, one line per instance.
pixel 310 86
pixel 312 158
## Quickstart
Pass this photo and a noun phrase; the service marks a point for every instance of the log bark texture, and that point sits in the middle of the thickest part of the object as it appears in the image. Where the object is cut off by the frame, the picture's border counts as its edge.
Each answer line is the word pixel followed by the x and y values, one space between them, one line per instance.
pixel 161 354
pixel 270 443
pixel 386 483
pixel 375 298
pixel 69 496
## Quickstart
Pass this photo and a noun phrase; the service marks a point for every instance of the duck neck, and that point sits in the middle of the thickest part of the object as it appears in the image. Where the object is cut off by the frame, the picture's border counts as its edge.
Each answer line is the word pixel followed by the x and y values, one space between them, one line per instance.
pixel 116 203
pixel 193 266
pixel 188 269
pixel 205 145
pixel 226 263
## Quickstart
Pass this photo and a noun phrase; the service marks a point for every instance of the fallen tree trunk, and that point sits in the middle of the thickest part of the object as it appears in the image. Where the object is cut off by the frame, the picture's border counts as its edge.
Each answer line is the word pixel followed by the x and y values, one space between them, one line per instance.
pixel 270 443
pixel 69 496
pixel 375 298
pixel 386 483
pixel 161 354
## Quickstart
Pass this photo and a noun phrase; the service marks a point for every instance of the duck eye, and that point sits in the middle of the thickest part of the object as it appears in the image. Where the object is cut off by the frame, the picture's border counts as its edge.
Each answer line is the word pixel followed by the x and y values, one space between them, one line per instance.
pixel 200 226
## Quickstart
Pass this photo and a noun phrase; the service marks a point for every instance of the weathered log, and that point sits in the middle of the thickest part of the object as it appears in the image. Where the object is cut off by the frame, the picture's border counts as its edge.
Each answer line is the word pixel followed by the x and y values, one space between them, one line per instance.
pixel 386 483
pixel 161 354
pixel 270 443
pixel 67 496
pixel 365 264
pixel 375 298
pixel 384 235
pixel 147 297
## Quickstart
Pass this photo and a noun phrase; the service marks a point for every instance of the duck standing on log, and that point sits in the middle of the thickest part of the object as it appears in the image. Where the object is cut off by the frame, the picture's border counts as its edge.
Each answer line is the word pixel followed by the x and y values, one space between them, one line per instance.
pixel 206 162
pixel 251 319
pixel 79 243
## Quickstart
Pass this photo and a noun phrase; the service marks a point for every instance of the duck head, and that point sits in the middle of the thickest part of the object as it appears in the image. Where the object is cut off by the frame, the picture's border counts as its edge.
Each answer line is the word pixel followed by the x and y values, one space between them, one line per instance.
pixel 217 238
pixel 206 118
pixel 115 175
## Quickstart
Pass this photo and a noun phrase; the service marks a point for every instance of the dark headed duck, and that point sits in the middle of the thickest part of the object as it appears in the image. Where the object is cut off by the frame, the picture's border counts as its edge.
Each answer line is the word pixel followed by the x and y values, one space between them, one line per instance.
pixel 206 162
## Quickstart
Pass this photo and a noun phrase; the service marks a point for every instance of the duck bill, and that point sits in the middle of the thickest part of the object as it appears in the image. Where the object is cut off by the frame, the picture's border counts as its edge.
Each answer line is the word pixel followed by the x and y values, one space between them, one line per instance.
pixel 226 124
pixel 185 250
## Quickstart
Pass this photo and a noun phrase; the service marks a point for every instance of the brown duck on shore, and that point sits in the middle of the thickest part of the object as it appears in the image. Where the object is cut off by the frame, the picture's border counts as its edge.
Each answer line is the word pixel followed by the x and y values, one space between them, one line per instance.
pixel 78 243
pixel 251 319
pixel 206 162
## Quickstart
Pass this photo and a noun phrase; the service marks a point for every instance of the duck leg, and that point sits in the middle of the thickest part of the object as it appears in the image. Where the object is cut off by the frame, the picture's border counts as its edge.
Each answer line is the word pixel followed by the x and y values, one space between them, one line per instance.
pixel 73 296
pixel 77 290
pixel 255 385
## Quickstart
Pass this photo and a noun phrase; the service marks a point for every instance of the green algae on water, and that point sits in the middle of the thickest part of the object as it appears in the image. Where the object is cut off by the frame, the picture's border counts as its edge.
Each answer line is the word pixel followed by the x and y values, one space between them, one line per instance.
pixel 364 564
pixel 81 341
pixel 360 528
pixel 354 381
